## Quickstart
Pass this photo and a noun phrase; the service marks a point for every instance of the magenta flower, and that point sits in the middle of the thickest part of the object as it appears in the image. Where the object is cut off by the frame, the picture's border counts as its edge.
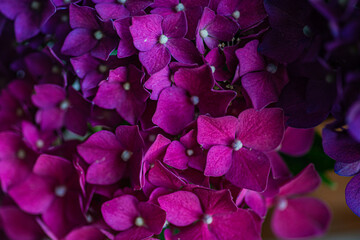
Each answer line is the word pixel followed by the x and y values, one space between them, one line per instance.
pixel 124 92
pixel 113 156
pixel 29 16
pixel 193 93
pixel 57 109
pixel 133 219
pixel 119 9
pixel 52 191
pixel 212 29
pixel 263 81
pixel 237 145
pixel 36 139
pixel 85 232
pixel 159 38
pixel 126 46
pixel 311 217
pixel 246 13
pixel 208 214
pixel 89 34
pixel 192 10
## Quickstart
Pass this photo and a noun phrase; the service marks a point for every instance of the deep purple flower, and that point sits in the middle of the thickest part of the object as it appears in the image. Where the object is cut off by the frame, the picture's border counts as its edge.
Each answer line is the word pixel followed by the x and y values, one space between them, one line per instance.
pixel 29 15
pixel 193 93
pixel 237 145
pixel 310 216
pixel 126 46
pixel 134 219
pixel 19 225
pixel 208 214
pixel 124 92
pixel 89 34
pixel 36 139
pixel 57 109
pixel 113 156
pixel 213 28
pixel 262 80
pixel 246 13
pixel 159 38
pixel 192 9
pixel 119 9
pixel 51 190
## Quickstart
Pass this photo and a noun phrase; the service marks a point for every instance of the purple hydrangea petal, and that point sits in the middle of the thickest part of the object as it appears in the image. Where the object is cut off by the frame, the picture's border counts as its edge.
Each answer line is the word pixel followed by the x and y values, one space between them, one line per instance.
pixel 347 169
pixel 83 17
pixel 215 202
pixel 174 25
pixel 120 213
pixel 175 156
pixel 109 11
pixel 297 141
pixel 306 181
pixel 182 208
pixel 266 127
pixel 352 194
pixel 250 169
pixel 85 232
pixel 155 59
pixel 310 216
pixel 153 216
pixel 145 31
pixel 183 50
pixel 78 42
pixel 158 82
pixel 213 131
pixel 34 195
pixel 218 161
pixel 174 110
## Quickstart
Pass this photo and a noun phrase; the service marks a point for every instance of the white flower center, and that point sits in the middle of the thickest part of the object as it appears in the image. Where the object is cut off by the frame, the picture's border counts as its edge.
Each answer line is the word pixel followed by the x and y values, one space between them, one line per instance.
pixel 163 39
pixel 126 155
pixel 180 7
pixel 204 33
pixel 64 18
pixel 236 14
pixel 98 35
pixel 21 154
pixel 126 86
pixel 212 69
pixel 271 68
pixel 282 205
pixel 40 143
pixel 55 69
pixel 64 105
pixel 208 219
pixel 195 100
pixel 121 1
pixel 102 68
pixel 307 31
pixel 35 5
pixel 60 191
pixel 152 137
pixel 189 152
pixel 139 221
pixel 67 1
pixel 237 145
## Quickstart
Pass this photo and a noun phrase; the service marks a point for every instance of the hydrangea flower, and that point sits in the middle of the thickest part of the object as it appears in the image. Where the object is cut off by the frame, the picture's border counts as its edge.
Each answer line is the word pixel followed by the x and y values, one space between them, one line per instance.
pixel 159 38
pixel 237 145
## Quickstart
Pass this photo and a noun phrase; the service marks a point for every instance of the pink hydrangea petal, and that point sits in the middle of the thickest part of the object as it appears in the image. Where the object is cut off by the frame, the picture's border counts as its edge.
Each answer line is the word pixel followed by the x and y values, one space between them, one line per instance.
pixel 109 11
pixel 214 131
pixel 250 169
pixel 182 208
pixel 306 181
pixel 145 31
pixel 215 202
pixel 134 233
pixel 237 225
pixel 154 217
pixel 120 213
pixel 297 141
pixel 218 161
pixel 105 172
pixel 155 59
pixel 266 127
pixel 85 232
pixel 53 166
pixel 175 156
pixel 34 195
pixel 174 25
pixel 308 217
pixel 183 50
pixel 174 110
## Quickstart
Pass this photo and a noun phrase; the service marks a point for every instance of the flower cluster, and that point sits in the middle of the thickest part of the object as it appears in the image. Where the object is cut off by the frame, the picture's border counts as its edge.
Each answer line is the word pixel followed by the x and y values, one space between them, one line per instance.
pixel 141 119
